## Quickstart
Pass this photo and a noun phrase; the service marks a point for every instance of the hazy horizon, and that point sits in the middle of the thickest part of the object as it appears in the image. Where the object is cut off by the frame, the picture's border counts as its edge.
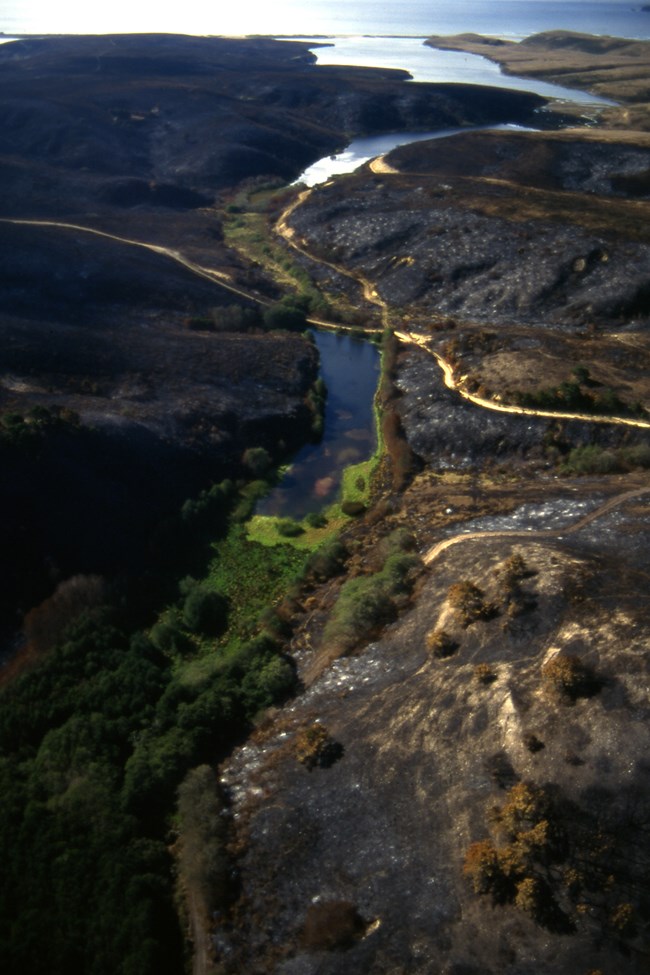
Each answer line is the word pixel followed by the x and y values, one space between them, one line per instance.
pixel 507 18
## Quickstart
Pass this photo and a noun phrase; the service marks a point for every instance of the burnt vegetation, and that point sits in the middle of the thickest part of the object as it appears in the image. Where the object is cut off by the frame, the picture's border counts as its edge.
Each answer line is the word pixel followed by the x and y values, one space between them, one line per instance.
pixel 144 411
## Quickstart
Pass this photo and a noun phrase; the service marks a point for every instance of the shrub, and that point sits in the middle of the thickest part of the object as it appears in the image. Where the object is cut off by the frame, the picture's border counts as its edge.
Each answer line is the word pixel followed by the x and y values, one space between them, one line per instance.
pixel 483 868
pixel 530 896
pixel 353 508
pixel 533 743
pixel 526 806
pixel 513 569
pixel 327 561
pixel 274 682
pixel 570 677
pixel 285 315
pixel 591 459
pixel 622 919
pixel 46 624
pixel 467 600
pixel 203 865
pixel 167 636
pixel 367 602
pixel 257 460
pixel 316 519
pixel 637 456
pixel 440 644
pixel 399 540
pixel 289 527
pixel 205 611
pixel 484 674
pixel 315 747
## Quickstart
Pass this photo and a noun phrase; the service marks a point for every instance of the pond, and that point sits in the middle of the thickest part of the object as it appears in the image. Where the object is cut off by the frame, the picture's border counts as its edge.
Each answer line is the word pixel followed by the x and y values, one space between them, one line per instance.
pixel 350 369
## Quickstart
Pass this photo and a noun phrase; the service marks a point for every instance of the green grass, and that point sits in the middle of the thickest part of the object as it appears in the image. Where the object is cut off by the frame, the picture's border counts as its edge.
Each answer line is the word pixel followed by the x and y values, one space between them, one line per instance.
pixel 356 485
pixel 252 576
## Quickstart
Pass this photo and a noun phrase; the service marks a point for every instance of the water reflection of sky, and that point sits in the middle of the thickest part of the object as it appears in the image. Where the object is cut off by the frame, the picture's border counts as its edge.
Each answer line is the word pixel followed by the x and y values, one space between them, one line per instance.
pixel 426 63
pixel 361 151
pixel 350 369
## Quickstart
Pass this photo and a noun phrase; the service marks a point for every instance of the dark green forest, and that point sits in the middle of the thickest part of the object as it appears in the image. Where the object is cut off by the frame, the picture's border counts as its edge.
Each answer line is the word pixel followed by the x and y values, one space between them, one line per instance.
pixel 97 738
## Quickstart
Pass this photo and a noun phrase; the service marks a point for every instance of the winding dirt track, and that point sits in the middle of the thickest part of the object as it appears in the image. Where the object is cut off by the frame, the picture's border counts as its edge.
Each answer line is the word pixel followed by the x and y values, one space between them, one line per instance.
pixel 288 233
pixel 284 230
pixel 210 274
pixel 198 926
pixel 432 554
pixel 489 404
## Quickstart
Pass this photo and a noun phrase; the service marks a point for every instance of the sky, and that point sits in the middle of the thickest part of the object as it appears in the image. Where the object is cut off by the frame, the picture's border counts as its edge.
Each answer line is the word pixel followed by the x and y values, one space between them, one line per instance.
pixel 231 16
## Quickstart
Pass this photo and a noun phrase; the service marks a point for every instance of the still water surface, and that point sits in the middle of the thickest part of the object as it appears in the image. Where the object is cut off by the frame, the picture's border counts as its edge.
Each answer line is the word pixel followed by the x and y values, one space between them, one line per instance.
pixel 350 368
pixel 425 63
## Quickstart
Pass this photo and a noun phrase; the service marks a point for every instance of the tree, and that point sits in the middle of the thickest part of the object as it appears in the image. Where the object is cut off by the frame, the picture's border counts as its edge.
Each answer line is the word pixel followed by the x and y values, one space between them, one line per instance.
pixel 285 314
pixel 257 460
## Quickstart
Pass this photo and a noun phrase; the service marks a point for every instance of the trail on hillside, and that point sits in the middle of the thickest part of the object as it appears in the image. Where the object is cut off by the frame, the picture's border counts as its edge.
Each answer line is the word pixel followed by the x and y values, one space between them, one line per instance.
pixel 210 274
pixel 371 295
pixel 221 279
pixel 489 404
pixel 288 234
pixel 432 554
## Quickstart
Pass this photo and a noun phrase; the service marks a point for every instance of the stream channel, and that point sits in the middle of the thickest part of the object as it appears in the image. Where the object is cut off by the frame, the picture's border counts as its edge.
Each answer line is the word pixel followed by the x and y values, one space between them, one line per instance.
pixel 350 370
pixel 349 365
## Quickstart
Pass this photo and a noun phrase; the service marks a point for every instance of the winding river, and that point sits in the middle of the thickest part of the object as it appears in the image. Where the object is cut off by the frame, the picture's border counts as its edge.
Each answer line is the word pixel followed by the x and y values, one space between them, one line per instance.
pixel 350 366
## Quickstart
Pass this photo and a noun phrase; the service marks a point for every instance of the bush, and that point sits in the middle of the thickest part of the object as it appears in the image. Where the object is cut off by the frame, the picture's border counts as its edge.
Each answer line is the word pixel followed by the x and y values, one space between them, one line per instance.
pixel 440 644
pixel 482 867
pixel 168 636
pixel 530 896
pixel 289 527
pixel 399 540
pixel 274 682
pixel 205 611
pixel 316 519
pixel 591 459
pixel 257 460
pixel 467 600
pixel 570 677
pixel 513 569
pixel 285 315
pixel 527 805
pixel 367 602
pixel 327 561
pixel 484 674
pixel 203 865
pixel 637 456
pixel 316 748
pixel 353 508
pixel 46 624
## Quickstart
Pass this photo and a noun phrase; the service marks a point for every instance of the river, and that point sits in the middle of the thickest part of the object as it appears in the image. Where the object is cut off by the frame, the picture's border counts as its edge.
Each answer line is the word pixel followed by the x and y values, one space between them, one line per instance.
pixel 350 369
pixel 429 64
pixel 350 366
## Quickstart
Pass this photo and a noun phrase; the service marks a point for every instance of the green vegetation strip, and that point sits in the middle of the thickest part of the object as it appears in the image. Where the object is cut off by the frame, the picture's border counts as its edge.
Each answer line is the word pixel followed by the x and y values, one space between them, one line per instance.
pixel 355 495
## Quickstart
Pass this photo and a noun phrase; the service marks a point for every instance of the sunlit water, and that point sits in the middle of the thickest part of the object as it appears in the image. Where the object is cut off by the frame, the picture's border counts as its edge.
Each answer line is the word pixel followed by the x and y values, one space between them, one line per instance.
pixel 425 63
